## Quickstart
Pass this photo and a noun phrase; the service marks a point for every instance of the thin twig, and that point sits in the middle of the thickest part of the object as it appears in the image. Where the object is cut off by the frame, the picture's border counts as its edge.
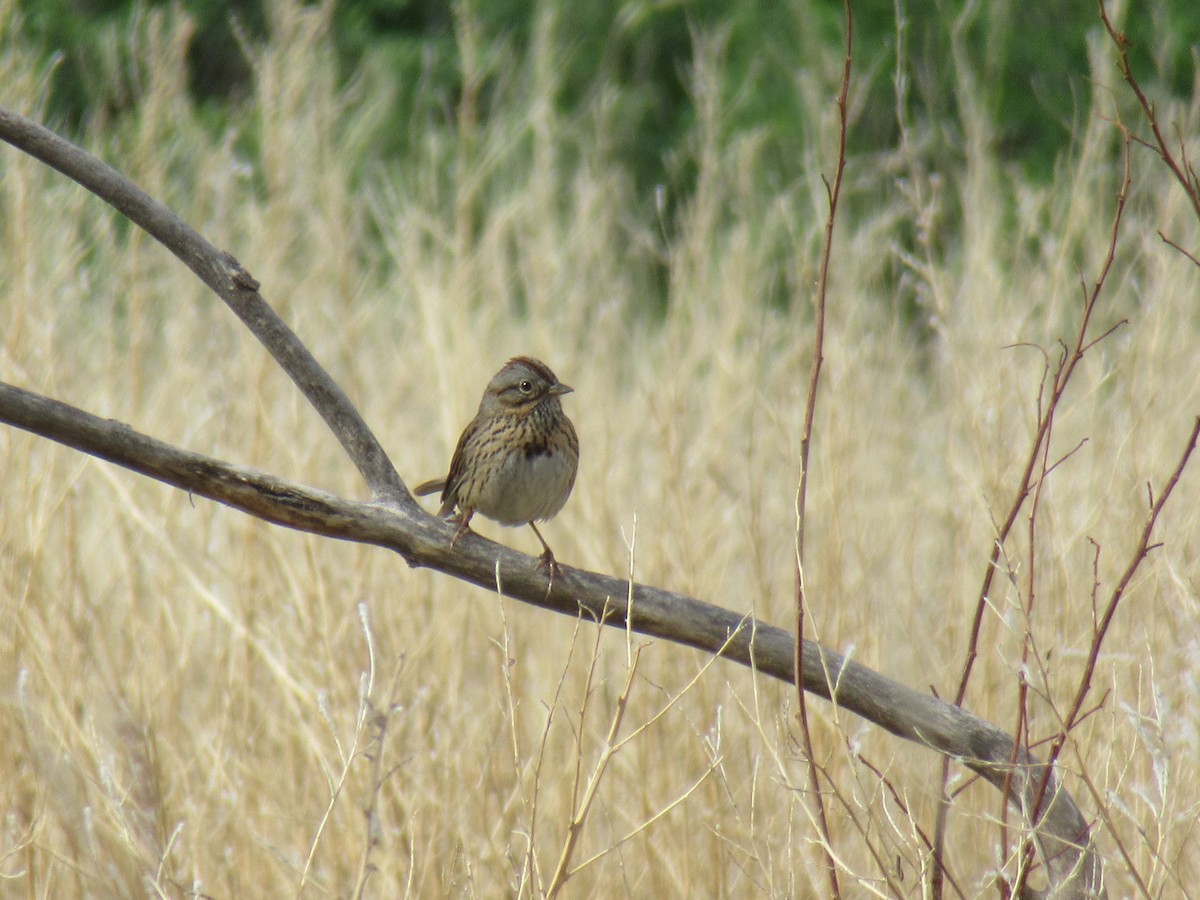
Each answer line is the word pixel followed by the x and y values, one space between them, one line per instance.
pixel 1184 172
pixel 904 808
pixel 833 193
pixel 1060 379
pixel 1100 632
pixel 1170 243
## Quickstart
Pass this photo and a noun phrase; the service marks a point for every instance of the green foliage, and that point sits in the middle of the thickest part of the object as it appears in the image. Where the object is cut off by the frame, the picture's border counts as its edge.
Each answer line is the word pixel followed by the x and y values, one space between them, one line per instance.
pixel 623 84
pixel 1029 62
pixel 88 41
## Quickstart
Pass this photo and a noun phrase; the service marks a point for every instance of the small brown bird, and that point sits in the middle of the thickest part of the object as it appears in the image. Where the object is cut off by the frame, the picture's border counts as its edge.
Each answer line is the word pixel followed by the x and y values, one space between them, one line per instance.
pixel 516 461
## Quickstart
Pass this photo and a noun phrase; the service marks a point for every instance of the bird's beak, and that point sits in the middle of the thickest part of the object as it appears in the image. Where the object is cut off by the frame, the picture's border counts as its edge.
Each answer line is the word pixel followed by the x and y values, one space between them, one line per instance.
pixel 559 389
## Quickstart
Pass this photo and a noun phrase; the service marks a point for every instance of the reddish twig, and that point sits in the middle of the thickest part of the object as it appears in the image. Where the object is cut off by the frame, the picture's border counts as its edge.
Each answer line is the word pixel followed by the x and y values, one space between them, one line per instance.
pixel 1100 630
pixel 899 801
pixel 1021 726
pixel 1062 377
pixel 833 193
pixel 1183 170
pixel 1170 243
pixel 1068 362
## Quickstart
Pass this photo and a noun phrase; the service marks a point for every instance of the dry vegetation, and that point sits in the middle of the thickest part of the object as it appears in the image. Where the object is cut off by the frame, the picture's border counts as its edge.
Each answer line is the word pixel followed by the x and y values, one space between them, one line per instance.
pixel 190 700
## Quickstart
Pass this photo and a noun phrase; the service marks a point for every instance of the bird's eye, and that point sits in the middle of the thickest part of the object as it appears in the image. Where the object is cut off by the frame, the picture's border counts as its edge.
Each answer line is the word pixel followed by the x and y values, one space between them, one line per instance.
pixel 526 386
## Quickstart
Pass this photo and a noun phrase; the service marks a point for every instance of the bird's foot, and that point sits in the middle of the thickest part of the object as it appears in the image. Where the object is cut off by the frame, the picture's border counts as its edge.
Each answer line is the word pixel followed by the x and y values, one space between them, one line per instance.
pixel 464 525
pixel 548 564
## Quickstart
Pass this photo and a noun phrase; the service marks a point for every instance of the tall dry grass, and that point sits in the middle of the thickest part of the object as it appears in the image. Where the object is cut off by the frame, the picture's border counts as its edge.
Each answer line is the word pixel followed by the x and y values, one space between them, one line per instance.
pixel 194 703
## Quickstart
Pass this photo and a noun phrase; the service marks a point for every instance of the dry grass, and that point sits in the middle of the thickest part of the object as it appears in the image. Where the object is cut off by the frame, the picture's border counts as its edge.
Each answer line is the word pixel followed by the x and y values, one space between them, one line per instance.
pixel 191 701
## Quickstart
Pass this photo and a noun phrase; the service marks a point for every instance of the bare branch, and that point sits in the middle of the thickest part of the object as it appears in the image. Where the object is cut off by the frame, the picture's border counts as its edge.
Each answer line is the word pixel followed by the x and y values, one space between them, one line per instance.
pixel 1170 243
pixel 1183 171
pixel 229 281
pixel 1143 549
pixel 1100 628
pixel 833 193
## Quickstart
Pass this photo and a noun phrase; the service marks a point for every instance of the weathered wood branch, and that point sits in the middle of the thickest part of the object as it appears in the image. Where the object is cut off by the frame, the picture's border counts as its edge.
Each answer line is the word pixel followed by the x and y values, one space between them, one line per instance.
pixel 226 277
pixel 397 523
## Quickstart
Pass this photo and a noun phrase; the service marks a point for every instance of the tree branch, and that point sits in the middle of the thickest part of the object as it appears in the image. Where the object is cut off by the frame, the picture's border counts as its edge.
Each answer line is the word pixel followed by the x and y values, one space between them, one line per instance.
pixel 229 281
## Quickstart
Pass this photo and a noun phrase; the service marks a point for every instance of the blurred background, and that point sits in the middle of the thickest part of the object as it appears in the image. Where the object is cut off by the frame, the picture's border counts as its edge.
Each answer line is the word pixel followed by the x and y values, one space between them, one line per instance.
pixel 191 700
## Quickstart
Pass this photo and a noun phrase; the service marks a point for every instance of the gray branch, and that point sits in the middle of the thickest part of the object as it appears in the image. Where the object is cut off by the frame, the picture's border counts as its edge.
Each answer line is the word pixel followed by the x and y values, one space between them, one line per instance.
pixel 397 523
pixel 229 281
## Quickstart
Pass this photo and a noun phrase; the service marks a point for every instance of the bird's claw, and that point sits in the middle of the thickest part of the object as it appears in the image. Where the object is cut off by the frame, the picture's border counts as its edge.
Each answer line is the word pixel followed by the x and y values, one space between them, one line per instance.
pixel 548 564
